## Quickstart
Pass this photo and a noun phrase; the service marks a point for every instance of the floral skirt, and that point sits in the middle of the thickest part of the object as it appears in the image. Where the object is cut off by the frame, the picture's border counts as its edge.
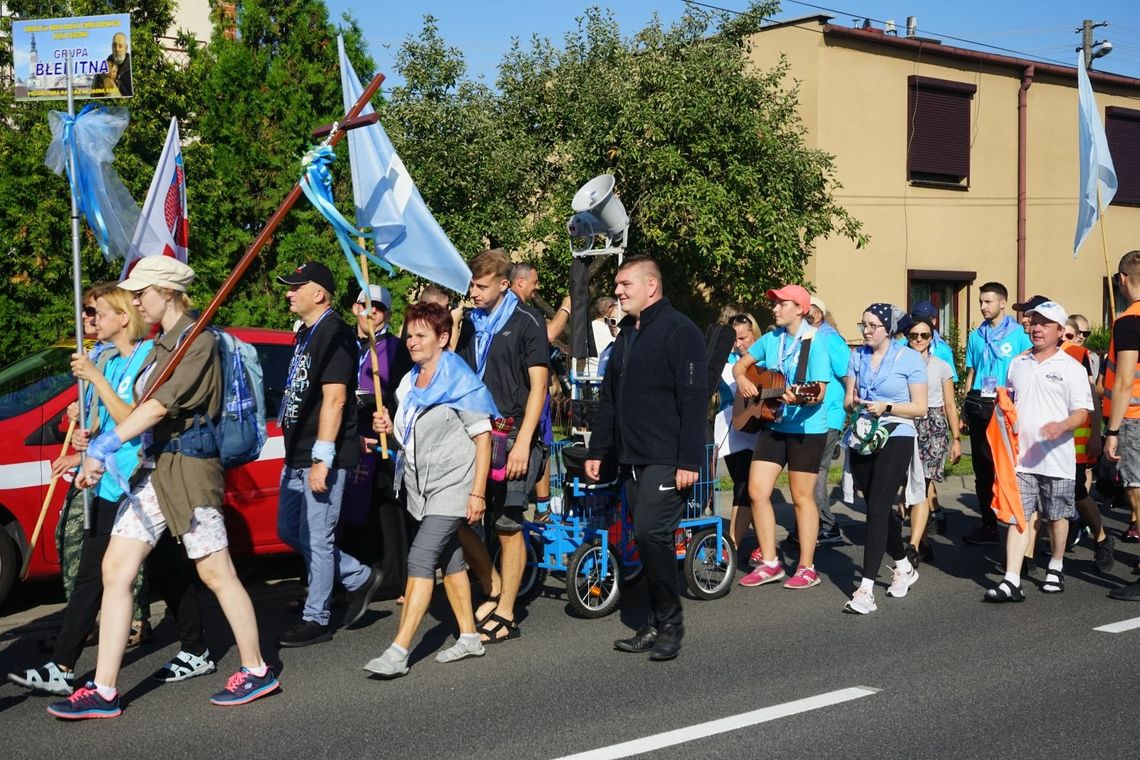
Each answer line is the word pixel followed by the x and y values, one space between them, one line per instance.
pixel 933 442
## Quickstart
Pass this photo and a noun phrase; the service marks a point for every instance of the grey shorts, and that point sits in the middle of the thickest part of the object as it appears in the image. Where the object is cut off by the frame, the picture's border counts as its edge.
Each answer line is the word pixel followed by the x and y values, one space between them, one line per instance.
pixel 1053 498
pixel 507 499
pixel 1128 449
pixel 436 545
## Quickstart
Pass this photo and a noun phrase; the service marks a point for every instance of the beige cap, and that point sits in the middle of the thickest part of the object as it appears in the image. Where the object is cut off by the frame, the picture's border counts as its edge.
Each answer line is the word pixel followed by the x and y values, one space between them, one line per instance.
pixel 162 271
pixel 818 303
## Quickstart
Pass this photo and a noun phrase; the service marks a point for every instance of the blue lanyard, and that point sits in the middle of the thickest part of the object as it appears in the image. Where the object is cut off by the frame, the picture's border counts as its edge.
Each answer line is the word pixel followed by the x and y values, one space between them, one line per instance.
pixel 994 341
pixel 782 357
pixel 870 386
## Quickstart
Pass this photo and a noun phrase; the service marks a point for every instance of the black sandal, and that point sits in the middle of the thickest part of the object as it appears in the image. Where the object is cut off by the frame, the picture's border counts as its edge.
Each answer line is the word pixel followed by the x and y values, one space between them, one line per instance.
pixel 480 621
pixel 1004 592
pixel 495 623
pixel 1054 582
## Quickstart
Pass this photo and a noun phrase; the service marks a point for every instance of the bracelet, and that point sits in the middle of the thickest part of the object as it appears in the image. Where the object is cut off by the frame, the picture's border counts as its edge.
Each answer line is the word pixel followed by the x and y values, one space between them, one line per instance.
pixel 563 308
pixel 1110 433
pixel 477 496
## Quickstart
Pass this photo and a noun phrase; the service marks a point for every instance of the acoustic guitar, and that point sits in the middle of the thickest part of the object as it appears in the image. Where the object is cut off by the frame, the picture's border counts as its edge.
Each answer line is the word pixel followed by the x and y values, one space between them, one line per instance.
pixel 749 415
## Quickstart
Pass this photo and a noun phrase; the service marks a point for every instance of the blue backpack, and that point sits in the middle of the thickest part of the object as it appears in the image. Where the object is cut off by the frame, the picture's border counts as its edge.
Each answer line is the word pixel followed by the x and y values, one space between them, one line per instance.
pixel 238 434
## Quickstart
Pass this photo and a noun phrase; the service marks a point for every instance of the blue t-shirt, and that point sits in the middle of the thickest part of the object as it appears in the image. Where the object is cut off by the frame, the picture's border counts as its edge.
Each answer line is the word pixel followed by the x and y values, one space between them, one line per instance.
pixel 780 351
pixel 989 351
pixel 122 372
pixel 899 369
pixel 838 356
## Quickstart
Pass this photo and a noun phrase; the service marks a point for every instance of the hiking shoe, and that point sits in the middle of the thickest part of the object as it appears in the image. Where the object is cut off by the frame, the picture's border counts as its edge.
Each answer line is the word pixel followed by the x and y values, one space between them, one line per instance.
pixel 185 665
pixel 389 665
pixel 461 649
pixel 982 535
pixel 86 703
pixel 901 581
pixel 764 574
pixel 305 633
pixel 357 600
pixel 1103 553
pixel 862 602
pixel 1129 593
pixel 244 687
pixel 46 679
pixel 829 535
pixel 756 558
pixel 805 577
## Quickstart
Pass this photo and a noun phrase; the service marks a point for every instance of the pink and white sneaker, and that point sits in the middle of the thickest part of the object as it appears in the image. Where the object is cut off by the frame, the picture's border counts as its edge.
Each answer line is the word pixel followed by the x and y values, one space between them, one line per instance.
pixel 756 558
pixel 805 577
pixel 763 574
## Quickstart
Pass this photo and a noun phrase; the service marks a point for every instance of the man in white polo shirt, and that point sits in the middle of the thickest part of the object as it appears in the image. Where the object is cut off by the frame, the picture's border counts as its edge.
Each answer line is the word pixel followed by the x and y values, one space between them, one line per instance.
pixel 1051 394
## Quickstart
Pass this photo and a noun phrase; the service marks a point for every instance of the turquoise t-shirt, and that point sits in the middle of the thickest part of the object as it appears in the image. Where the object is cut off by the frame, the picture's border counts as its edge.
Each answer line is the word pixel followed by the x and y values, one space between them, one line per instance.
pixel 989 351
pixel 780 351
pixel 838 356
pixel 899 369
pixel 122 372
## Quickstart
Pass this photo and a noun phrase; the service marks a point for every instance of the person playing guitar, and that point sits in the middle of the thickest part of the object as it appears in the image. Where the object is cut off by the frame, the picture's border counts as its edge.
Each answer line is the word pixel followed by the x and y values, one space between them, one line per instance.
pixel 795 438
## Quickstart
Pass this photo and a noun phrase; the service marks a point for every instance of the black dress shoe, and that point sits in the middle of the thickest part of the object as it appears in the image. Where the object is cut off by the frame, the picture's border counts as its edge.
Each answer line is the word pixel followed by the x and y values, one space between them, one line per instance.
pixel 642 641
pixel 668 644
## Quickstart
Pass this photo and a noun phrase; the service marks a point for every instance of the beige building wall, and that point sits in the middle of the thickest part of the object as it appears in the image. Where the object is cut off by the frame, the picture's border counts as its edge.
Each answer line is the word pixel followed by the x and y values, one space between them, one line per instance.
pixel 854 105
pixel 194 17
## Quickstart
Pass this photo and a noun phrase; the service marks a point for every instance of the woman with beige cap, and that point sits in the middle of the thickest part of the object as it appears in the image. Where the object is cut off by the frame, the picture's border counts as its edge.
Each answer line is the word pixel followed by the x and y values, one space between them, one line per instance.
pixel 178 488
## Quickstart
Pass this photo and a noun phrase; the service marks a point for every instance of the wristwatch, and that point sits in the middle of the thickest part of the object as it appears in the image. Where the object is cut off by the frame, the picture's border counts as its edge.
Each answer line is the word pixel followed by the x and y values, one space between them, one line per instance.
pixel 1110 433
pixel 318 461
pixel 888 408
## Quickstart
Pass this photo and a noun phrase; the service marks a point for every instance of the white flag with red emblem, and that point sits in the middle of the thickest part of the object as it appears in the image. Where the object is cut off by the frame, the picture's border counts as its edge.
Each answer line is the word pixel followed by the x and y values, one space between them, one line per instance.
pixel 164 226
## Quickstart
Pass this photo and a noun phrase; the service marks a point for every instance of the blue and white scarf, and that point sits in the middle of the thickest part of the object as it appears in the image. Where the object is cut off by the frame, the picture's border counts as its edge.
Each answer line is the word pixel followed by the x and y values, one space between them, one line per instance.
pixel 487 326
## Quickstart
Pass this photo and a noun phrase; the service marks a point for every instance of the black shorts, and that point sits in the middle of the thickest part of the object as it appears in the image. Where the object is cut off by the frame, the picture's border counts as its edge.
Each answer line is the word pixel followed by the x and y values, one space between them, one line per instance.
pixel 799 452
pixel 738 463
pixel 1081 491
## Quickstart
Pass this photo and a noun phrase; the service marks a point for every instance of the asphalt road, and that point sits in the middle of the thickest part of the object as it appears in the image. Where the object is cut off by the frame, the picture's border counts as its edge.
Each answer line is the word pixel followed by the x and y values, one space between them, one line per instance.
pixel 942 675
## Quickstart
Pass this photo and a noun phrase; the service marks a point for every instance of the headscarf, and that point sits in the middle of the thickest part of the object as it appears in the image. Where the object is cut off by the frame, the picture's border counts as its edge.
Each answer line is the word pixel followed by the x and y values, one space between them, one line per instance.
pixel 889 314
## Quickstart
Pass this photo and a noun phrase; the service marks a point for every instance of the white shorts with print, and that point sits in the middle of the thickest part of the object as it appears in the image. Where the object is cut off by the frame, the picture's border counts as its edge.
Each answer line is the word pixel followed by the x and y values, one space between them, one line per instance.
pixel 140 518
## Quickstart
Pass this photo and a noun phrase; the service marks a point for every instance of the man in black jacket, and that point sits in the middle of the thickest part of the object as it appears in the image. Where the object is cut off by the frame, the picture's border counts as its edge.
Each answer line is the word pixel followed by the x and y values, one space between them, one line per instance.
pixel 652 415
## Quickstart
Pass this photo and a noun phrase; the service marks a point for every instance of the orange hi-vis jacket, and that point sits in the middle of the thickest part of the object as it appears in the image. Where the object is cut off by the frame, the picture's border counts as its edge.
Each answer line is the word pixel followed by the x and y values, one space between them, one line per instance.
pixel 1001 434
pixel 1133 412
pixel 1082 434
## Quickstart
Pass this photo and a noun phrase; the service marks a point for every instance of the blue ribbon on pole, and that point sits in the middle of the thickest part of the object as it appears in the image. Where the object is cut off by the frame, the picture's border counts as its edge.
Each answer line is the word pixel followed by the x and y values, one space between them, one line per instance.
pixel 85 198
pixel 316 184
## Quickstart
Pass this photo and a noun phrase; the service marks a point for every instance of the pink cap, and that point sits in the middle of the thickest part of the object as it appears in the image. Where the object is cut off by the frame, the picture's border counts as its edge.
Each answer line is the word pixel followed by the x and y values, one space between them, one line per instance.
pixel 794 293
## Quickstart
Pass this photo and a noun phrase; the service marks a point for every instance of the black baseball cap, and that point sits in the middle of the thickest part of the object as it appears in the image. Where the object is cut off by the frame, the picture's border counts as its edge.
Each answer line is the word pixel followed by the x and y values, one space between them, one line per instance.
pixel 310 271
pixel 1031 304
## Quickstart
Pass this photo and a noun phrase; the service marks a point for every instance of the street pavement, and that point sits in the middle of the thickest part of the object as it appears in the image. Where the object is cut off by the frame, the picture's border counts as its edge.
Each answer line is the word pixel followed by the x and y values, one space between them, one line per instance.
pixel 764 673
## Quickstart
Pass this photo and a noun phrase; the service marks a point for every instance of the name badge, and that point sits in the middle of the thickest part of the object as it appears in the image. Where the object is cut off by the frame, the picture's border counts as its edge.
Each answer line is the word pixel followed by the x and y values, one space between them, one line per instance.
pixel 989 387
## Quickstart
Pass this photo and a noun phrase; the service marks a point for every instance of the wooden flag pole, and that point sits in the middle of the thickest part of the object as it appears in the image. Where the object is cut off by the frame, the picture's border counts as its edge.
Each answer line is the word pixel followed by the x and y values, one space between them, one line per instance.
pixel 1107 268
pixel 372 347
pixel 335 135
pixel 44 508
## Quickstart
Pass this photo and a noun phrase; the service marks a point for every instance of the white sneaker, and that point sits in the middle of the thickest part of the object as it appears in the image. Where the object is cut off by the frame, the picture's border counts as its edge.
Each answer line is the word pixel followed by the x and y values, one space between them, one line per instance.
pixel 184 666
pixel 389 665
pixel 862 602
pixel 47 679
pixel 901 581
pixel 462 649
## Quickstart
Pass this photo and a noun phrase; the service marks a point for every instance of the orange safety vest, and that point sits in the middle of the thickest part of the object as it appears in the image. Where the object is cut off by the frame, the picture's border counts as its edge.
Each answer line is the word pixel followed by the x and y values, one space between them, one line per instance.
pixel 1082 434
pixel 1133 411
pixel 1001 435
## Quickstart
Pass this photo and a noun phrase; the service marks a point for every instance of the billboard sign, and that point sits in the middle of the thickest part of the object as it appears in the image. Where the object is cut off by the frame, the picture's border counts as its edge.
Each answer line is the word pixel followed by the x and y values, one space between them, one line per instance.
pixel 100 50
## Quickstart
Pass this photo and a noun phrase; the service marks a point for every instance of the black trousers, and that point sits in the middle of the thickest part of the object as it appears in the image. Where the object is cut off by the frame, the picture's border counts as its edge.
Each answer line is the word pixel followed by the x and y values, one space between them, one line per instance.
pixel 169 576
pixel 880 476
pixel 978 411
pixel 657 510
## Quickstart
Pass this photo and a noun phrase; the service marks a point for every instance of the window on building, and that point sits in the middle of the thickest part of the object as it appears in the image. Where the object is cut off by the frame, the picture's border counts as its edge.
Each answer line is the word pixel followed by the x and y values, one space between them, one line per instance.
pixel 1122 128
pixel 938 132
pixel 943 289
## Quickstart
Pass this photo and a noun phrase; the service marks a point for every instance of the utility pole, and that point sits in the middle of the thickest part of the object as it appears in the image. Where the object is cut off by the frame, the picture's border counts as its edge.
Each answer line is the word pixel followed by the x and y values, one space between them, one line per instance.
pixel 1088 46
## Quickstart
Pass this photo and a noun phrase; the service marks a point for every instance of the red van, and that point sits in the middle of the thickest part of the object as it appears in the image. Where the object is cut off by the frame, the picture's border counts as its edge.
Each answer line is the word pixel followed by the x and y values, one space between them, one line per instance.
pixel 34 394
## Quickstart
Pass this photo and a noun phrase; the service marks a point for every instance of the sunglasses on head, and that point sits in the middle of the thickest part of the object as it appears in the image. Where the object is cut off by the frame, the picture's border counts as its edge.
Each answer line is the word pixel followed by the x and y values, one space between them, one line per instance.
pixel 740 319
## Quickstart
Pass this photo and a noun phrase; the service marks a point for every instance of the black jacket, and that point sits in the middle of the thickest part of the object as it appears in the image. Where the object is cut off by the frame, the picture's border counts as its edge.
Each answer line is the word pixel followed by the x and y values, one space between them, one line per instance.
pixel 654 398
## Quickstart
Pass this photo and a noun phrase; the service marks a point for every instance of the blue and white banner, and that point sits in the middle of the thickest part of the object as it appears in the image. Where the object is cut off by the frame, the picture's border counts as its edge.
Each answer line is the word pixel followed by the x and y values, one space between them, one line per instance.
pixel 100 52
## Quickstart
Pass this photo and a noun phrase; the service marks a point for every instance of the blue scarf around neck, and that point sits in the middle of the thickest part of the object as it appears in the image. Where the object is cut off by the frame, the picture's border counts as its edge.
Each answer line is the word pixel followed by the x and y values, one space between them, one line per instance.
pixel 487 326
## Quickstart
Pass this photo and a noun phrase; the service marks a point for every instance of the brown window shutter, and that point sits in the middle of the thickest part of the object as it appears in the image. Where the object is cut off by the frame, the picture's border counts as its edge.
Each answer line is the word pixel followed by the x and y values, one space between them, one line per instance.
pixel 1122 128
pixel 938 129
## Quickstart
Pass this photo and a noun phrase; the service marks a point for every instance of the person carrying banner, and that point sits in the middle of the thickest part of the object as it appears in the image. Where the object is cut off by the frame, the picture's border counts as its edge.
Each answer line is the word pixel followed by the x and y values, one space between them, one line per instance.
pixel 1122 397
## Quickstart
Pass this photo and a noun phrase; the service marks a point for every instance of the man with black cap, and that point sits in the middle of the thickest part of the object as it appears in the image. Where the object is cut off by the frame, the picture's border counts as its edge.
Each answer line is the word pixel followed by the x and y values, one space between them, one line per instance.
pixel 320 446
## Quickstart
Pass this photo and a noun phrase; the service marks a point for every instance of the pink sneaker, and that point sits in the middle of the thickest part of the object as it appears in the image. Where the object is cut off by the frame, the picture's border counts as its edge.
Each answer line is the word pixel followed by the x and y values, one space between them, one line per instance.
pixel 805 577
pixel 756 558
pixel 763 574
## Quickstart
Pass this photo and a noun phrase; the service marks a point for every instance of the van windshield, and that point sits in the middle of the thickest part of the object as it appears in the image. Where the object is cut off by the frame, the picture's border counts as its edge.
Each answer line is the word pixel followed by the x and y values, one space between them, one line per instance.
pixel 35 380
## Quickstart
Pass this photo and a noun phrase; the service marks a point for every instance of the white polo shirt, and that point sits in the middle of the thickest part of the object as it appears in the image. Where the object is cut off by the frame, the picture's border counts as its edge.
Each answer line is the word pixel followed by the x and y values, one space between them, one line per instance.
pixel 1044 392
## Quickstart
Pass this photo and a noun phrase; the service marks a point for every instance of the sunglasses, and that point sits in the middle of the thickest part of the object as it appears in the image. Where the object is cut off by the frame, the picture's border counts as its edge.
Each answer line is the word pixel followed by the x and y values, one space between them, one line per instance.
pixel 919 336
pixel 740 319
pixel 89 312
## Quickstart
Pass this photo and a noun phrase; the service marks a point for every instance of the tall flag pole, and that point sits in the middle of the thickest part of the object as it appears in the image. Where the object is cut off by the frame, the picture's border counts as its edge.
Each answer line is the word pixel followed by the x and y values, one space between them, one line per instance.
pixel 164 225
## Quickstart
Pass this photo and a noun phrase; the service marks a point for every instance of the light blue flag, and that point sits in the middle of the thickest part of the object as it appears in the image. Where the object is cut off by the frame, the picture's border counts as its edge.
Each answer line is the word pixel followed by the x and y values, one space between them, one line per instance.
pixel 387 201
pixel 1096 161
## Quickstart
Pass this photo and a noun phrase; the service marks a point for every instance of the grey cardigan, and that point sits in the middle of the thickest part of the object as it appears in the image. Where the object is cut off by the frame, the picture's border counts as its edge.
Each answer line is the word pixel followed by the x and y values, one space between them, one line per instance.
pixel 439 465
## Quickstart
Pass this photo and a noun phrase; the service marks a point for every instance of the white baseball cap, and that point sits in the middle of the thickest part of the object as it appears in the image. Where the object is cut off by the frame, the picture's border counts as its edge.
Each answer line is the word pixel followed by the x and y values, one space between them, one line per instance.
pixel 380 295
pixel 818 303
pixel 1052 311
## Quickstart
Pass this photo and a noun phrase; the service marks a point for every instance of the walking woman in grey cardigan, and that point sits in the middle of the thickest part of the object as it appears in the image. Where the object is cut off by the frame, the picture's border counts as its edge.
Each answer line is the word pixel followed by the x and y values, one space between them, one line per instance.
pixel 444 428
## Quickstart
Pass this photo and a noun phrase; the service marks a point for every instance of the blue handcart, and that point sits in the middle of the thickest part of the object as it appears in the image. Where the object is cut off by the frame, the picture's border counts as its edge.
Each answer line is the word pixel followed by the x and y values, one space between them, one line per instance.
pixel 591 543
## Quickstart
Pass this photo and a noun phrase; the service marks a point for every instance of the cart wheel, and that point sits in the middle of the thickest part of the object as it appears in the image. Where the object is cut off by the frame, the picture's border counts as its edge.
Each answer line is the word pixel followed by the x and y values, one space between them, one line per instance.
pixel 709 569
pixel 591 595
pixel 534 577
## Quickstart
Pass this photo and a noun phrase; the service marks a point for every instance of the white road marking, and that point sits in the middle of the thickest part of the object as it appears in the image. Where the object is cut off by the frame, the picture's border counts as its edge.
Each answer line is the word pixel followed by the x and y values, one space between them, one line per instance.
pixel 1121 627
pixel 723 725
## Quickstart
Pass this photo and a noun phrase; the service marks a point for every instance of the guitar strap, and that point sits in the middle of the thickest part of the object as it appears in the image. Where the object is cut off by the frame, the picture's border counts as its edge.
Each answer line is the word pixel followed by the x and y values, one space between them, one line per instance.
pixel 801 365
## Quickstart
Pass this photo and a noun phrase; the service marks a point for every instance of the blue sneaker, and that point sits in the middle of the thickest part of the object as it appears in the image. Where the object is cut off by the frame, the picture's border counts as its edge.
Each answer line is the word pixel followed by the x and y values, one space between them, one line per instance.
pixel 244 687
pixel 86 703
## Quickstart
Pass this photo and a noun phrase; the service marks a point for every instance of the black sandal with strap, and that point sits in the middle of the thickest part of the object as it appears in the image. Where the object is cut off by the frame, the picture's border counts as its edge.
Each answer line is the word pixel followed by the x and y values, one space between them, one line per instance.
pixel 1004 592
pixel 1051 586
pixel 480 621
pixel 495 623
